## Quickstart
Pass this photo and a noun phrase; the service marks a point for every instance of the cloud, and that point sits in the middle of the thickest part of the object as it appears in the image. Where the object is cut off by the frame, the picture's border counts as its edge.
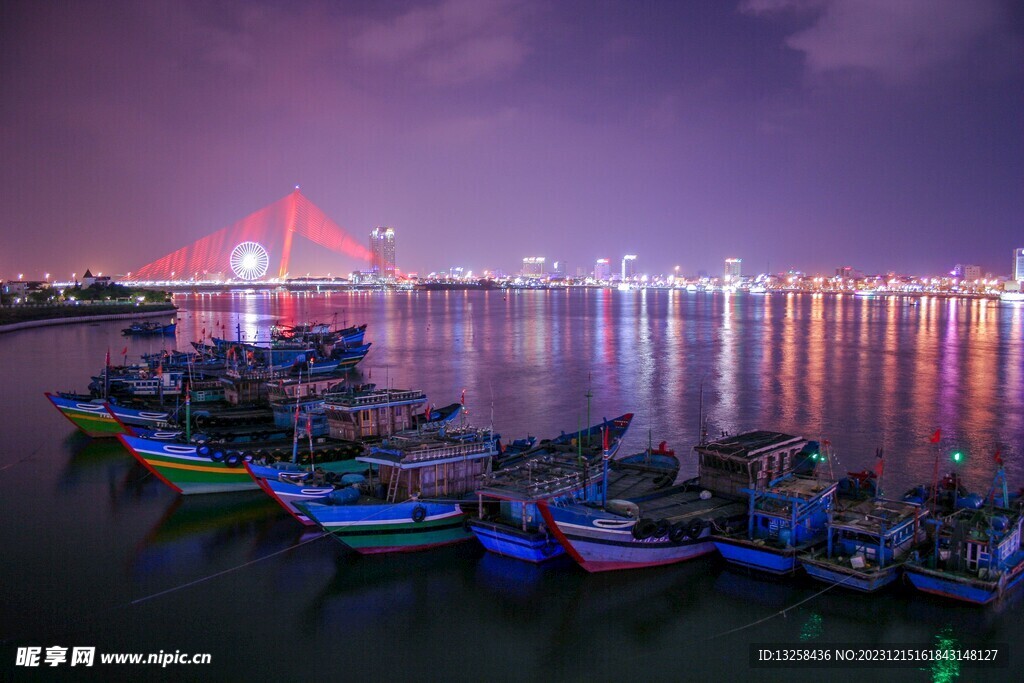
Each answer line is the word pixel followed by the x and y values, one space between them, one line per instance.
pixel 897 40
pixel 451 43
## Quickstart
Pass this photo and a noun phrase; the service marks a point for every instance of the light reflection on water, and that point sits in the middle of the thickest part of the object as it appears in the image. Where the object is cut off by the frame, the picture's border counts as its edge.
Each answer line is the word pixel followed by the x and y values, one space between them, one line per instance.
pixel 86 530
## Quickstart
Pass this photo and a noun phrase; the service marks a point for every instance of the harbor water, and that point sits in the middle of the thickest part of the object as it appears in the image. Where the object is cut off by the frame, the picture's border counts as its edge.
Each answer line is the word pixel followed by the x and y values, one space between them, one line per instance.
pixel 98 553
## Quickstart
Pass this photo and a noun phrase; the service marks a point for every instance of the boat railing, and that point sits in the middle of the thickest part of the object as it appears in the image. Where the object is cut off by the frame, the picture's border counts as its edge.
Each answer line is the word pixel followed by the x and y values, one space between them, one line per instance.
pixel 377 398
pixel 447 451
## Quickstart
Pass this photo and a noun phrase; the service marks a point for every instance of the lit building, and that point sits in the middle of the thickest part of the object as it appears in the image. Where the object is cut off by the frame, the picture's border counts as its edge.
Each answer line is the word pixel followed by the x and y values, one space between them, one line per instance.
pixel 733 270
pixel 558 269
pixel 971 273
pixel 1018 265
pixel 533 266
pixel 602 269
pixel 628 267
pixel 382 252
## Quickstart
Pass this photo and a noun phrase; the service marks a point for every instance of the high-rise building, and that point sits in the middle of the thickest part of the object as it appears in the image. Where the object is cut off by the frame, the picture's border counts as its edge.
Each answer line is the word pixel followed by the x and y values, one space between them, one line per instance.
pixel 558 269
pixel 382 252
pixel 733 270
pixel 628 267
pixel 533 266
pixel 602 269
pixel 1018 265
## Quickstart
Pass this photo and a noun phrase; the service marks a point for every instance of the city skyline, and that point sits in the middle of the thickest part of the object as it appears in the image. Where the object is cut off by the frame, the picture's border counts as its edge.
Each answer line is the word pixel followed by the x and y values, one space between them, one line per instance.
pixel 800 134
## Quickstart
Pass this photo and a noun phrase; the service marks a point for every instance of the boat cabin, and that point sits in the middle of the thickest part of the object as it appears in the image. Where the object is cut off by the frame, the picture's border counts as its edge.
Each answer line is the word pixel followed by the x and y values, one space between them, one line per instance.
pixel 414 467
pixel 877 531
pixel 733 464
pixel 791 511
pixel 365 411
pixel 980 542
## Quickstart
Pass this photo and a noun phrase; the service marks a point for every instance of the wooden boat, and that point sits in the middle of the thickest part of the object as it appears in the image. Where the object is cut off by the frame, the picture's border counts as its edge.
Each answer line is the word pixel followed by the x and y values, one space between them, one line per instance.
pixel 88 414
pixel 867 544
pixel 416 502
pixel 675 524
pixel 787 518
pixel 976 554
pixel 567 468
pixel 977 558
pixel 148 328
pixel 354 414
pixel 181 467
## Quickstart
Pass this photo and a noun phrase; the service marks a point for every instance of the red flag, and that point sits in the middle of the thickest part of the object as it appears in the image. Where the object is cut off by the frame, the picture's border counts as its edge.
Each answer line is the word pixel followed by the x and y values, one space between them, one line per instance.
pixel 937 436
pixel 463 398
pixel 160 369
pixel 604 438
pixel 124 351
pixel 999 458
pixel 108 357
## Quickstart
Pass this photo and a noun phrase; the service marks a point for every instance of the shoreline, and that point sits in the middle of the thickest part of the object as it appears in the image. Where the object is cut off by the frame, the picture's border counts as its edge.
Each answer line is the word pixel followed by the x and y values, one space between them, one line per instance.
pixel 71 320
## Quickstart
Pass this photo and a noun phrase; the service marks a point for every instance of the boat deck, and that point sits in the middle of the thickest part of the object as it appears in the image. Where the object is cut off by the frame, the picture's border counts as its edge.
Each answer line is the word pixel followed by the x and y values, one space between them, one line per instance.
pixel 684 502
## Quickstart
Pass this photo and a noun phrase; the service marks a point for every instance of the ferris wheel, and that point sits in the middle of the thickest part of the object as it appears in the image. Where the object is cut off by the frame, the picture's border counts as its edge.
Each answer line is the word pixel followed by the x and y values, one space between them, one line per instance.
pixel 249 261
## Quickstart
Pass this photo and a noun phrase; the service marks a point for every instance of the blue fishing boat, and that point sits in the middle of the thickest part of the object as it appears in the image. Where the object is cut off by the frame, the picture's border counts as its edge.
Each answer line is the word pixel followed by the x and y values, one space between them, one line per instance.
pixel 289 483
pixel 976 556
pixel 354 414
pixel 148 329
pixel 977 559
pixel 416 501
pixel 131 417
pixel 785 519
pixel 867 544
pixel 507 520
pixel 675 524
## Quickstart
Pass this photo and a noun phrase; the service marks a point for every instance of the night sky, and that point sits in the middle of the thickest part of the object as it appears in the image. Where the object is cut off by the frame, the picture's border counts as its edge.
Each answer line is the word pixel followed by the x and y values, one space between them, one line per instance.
pixel 882 134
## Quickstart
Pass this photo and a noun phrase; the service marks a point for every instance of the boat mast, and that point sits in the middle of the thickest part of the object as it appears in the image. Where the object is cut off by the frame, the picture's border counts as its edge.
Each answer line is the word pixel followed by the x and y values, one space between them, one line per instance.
pixel 295 425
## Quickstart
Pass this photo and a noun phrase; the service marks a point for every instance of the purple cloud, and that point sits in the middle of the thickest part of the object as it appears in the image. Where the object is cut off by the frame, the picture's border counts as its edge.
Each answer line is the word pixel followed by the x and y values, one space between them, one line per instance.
pixel 897 41
pixel 452 43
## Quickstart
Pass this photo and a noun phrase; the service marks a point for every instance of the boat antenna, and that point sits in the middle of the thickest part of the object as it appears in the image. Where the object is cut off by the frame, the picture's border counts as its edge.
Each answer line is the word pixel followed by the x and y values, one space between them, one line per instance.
pixel 295 425
pixel 309 432
pixel 589 395
pixel 701 430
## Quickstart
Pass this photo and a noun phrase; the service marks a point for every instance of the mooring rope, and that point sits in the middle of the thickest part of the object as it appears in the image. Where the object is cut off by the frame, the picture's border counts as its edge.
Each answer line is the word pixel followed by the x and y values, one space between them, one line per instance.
pixel 781 612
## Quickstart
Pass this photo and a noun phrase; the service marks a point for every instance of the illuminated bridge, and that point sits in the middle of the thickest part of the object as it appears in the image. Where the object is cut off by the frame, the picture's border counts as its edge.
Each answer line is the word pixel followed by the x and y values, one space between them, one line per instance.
pixel 257 247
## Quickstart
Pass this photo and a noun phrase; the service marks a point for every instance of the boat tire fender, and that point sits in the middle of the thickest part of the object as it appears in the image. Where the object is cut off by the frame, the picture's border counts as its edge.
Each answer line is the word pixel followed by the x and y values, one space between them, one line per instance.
pixel 203 450
pixel 233 459
pixel 644 529
pixel 661 528
pixel 217 455
pixel 678 533
pixel 694 528
pixel 419 513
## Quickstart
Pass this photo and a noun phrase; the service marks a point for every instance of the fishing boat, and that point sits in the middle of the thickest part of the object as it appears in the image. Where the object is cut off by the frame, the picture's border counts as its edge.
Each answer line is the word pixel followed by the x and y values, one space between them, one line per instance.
pixel 944 496
pixel 976 554
pixel 88 414
pixel 289 484
pixel 785 519
pixel 354 414
pixel 675 524
pixel 569 467
pixel 182 468
pixel 148 328
pixel 416 502
pixel 867 543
